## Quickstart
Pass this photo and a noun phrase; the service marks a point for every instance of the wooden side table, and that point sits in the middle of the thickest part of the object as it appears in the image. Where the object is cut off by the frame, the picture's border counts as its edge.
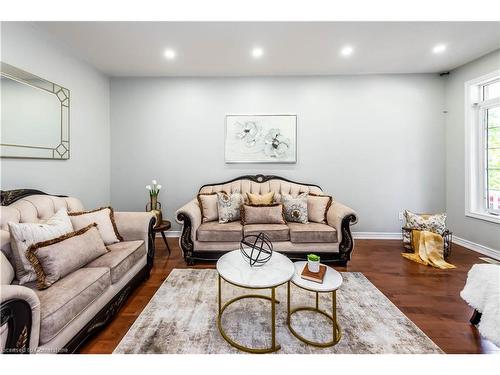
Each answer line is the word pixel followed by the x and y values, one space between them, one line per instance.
pixel 162 228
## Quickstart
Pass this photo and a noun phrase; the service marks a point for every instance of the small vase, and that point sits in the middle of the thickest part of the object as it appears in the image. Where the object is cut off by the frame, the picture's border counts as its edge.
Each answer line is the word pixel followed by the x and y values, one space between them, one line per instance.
pixel 153 201
pixel 155 208
pixel 313 266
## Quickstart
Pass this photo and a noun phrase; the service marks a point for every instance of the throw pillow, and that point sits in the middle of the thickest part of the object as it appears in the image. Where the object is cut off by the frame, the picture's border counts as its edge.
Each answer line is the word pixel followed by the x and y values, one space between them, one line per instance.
pixel 229 206
pixel 104 219
pixel 208 206
pixel 262 214
pixel 56 258
pixel 295 208
pixel 317 207
pixel 260 198
pixel 23 235
pixel 432 222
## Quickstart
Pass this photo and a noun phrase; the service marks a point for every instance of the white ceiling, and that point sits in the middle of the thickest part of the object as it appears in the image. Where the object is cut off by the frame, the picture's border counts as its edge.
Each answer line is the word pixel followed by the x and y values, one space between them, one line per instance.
pixel 290 48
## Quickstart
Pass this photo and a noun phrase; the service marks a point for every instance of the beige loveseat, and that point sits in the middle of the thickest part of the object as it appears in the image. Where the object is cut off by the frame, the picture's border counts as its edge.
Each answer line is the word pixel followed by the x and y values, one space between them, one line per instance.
pixel 62 317
pixel 208 240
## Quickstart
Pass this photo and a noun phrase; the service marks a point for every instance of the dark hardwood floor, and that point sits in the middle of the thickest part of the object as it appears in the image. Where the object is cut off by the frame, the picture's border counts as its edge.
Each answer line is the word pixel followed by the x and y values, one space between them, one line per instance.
pixel 428 296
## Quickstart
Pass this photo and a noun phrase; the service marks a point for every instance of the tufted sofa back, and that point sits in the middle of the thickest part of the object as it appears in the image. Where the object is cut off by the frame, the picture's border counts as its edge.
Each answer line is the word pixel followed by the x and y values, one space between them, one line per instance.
pixel 32 209
pixel 261 185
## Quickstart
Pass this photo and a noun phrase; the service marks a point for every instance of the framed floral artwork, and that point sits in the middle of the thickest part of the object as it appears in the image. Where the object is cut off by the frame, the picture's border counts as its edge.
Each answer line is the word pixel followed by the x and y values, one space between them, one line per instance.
pixel 261 139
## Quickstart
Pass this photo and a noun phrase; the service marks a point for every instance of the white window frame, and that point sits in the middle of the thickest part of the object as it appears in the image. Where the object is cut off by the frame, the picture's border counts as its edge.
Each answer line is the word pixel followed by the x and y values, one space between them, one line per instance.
pixel 475 148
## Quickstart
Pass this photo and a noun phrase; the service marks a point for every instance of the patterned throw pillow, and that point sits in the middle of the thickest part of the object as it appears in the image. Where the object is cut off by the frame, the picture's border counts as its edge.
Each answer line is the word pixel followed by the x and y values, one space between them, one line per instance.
pixel 434 223
pixel 260 198
pixel 229 207
pixel 295 208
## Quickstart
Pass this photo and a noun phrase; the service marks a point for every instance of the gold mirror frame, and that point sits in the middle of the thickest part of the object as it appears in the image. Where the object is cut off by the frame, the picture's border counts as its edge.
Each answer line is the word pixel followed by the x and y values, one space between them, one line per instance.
pixel 59 151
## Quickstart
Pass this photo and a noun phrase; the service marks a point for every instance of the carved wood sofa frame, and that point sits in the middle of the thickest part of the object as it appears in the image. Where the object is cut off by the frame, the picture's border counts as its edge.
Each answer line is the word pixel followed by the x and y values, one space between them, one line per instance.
pixel 16 313
pixel 191 256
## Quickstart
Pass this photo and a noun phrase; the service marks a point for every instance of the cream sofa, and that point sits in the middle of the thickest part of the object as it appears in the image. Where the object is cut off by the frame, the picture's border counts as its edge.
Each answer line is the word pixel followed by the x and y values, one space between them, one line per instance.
pixel 62 317
pixel 207 241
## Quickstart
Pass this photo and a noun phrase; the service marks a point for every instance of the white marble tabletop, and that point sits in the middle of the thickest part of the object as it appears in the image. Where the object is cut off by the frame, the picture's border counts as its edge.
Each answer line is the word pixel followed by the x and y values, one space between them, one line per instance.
pixel 331 282
pixel 235 269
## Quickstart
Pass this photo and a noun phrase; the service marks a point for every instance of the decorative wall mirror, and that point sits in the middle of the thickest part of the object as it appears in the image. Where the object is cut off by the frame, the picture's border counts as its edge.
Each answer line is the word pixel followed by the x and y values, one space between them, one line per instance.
pixel 34 116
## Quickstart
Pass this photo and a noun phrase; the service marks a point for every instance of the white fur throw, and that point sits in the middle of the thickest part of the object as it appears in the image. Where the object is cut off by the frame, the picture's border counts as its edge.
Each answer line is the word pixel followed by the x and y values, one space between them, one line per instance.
pixel 482 292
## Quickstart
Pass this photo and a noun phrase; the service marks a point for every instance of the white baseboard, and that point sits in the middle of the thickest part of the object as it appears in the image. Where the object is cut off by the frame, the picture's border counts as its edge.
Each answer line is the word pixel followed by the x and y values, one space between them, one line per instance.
pixel 377 235
pixel 477 247
pixel 170 233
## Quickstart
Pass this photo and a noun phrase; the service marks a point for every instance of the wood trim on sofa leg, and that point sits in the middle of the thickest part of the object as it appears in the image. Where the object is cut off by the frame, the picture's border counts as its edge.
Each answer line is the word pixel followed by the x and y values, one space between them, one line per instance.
pixel 185 240
pixel 16 313
pixel 151 244
pixel 475 318
pixel 347 243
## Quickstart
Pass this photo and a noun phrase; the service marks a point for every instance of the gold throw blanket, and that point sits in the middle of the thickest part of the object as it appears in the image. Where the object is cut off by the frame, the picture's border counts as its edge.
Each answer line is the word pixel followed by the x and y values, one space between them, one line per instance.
pixel 428 249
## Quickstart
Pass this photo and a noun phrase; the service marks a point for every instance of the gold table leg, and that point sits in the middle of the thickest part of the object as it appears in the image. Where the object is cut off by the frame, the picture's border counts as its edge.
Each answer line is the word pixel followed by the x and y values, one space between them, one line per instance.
pixel 337 332
pixel 274 347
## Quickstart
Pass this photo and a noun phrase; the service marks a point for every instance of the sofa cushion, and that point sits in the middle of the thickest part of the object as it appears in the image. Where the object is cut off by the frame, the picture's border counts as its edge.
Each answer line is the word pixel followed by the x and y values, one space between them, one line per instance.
pixel 54 259
pixel 312 233
pixel 105 220
pixel 263 214
pixel 121 257
pixel 68 298
pixel 317 207
pixel 208 206
pixel 23 235
pixel 276 232
pixel 215 232
pixel 256 199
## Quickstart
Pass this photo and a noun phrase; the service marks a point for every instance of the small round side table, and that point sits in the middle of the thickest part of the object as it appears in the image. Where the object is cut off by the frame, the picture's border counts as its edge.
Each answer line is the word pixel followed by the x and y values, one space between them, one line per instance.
pixel 331 282
pixel 233 269
pixel 162 228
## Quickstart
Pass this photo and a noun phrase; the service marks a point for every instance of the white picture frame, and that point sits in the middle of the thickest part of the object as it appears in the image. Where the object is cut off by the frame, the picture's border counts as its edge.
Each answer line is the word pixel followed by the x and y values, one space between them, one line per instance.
pixel 268 138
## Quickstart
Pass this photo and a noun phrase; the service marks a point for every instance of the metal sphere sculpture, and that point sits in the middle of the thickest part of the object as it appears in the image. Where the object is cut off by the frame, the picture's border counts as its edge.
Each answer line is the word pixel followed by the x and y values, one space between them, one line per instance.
pixel 256 249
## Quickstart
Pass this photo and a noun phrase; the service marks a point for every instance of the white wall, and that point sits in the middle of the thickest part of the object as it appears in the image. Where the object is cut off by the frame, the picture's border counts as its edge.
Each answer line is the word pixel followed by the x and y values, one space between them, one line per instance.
pixel 86 174
pixel 375 142
pixel 478 231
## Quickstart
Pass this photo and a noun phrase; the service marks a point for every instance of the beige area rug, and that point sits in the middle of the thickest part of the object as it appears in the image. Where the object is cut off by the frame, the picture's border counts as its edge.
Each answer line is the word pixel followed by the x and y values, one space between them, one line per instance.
pixel 182 315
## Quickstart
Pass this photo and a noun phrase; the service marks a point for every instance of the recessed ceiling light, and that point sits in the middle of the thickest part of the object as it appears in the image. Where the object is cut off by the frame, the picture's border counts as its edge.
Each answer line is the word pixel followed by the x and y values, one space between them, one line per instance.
pixel 169 54
pixel 439 48
pixel 346 51
pixel 257 52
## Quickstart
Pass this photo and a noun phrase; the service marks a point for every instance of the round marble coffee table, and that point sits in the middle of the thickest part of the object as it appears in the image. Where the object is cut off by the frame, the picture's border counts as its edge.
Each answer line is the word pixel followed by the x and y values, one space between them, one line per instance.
pixel 236 271
pixel 331 282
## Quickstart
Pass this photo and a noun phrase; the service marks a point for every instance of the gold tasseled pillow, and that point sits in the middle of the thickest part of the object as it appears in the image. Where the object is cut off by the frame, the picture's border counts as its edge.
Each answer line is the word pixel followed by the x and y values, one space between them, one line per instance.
pixel 261 198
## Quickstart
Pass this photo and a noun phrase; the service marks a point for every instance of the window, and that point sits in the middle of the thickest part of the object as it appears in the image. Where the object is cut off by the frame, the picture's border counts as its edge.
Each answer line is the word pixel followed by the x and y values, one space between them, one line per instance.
pixel 482 136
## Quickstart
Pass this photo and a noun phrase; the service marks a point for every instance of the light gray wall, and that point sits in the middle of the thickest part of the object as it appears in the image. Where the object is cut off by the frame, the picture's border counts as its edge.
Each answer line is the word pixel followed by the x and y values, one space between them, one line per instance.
pixel 478 231
pixel 375 142
pixel 86 174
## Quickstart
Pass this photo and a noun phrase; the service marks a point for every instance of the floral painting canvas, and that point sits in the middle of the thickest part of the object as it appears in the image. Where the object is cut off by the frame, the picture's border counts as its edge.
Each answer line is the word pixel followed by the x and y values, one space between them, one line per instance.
pixel 261 139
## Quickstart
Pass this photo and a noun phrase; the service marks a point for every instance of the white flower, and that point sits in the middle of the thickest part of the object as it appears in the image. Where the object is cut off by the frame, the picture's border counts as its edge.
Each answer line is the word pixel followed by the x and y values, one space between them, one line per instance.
pixel 158 187
pixel 154 182
pixel 148 187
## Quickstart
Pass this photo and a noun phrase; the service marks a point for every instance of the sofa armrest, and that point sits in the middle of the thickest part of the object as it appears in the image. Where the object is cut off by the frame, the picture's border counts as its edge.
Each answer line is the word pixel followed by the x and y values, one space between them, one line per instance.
pixel 189 216
pixel 137 226
pixel 341 218
pixel 20 319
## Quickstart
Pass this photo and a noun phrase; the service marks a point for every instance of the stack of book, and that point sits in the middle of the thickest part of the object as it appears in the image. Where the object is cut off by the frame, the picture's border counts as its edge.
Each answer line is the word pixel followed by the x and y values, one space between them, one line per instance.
pixel 317 277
